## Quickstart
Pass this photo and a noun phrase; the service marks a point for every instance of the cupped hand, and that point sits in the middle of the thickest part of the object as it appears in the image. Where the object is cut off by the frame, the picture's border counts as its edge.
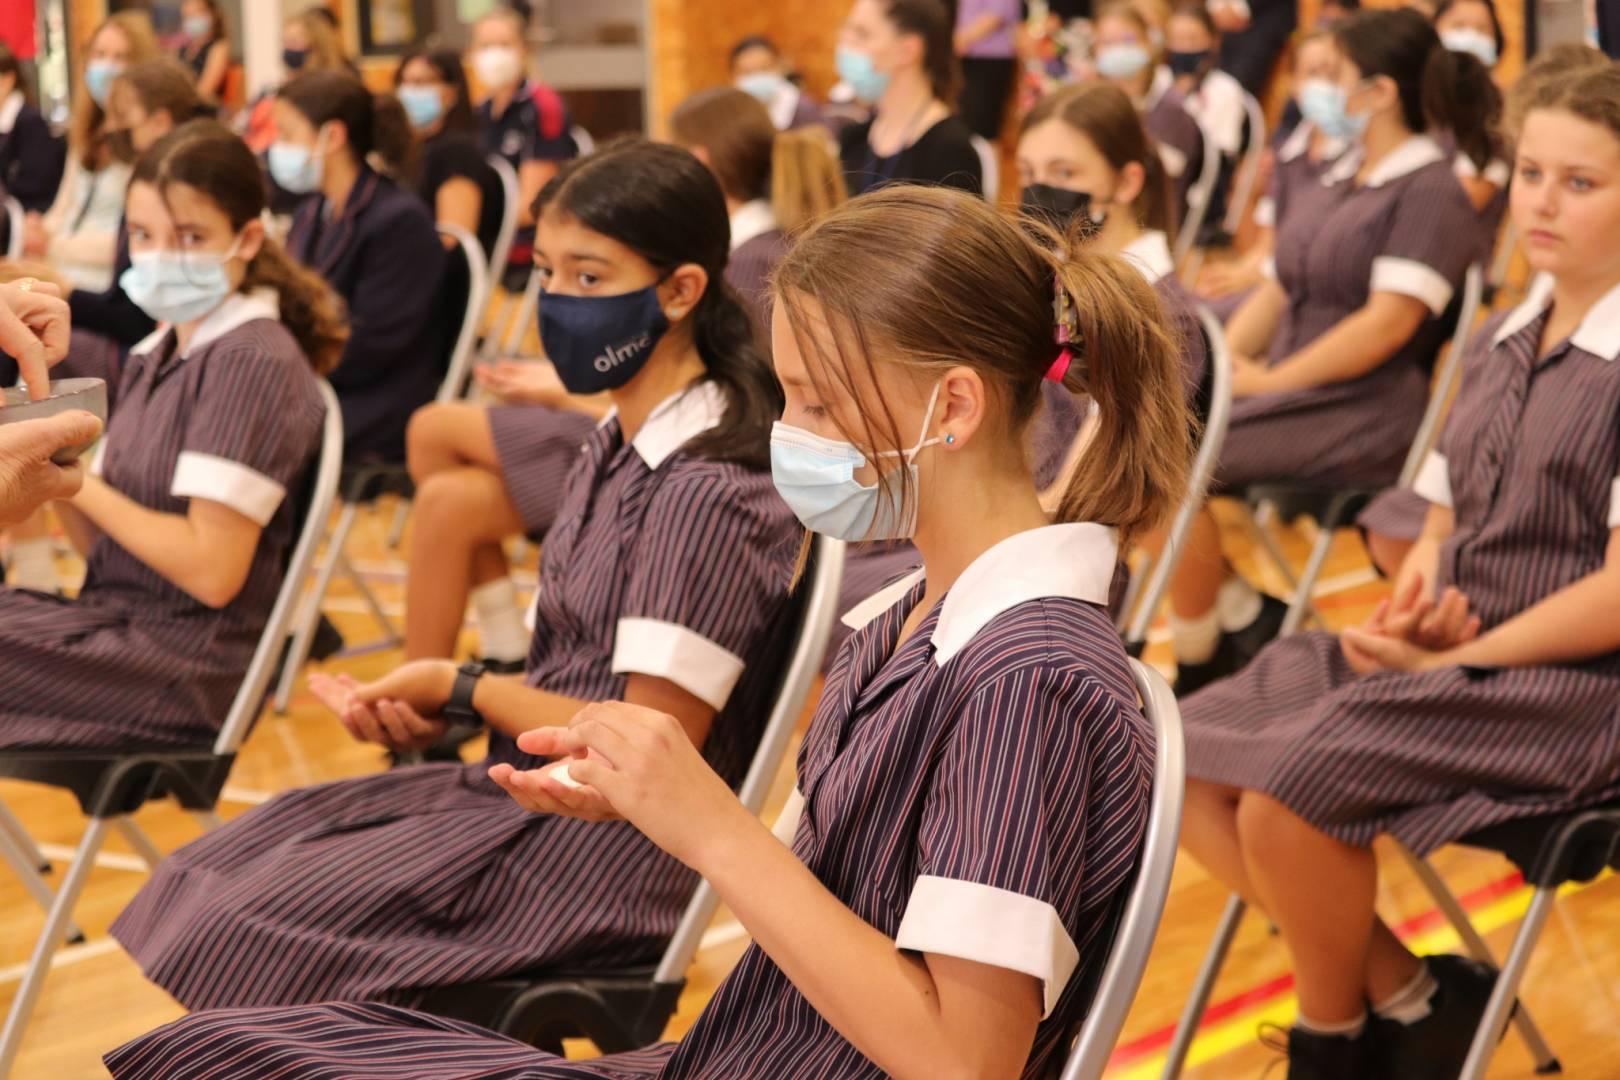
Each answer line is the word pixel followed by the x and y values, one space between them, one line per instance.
pixel 520 382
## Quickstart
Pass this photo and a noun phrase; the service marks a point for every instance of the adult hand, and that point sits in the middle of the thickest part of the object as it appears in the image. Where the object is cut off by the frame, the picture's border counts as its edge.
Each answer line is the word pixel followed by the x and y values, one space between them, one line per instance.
pixel 33 330
pixel 643 765
pixel 28 476
pixel 521 383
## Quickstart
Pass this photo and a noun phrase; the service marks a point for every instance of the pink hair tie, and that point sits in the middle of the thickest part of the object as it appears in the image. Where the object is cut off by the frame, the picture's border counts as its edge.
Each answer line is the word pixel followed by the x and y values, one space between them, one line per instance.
pixel 1059 370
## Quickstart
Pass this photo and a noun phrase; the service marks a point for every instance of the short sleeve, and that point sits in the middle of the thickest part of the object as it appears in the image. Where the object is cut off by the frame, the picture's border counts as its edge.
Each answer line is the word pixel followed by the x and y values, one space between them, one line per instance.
pixel 706 579
pixel 1034 814
pixel 1424 256
pixel 244 447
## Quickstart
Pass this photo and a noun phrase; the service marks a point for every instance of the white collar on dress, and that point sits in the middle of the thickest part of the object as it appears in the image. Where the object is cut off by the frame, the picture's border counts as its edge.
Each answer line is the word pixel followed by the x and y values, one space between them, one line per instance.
pixel 752 219
pixel 1163 80
pixel 1598 334
pixel 9 109
pixel 783 106
pixel 1298 143
pixel 233 311
pixel 1075 561
pixel 1412 155
pixel 676 420
pixel 1151 254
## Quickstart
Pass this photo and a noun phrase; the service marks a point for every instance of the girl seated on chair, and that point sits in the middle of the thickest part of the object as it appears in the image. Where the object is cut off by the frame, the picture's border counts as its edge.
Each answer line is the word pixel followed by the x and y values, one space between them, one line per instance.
pixel 1486 690
pixel 187 515
pixel 1330 355
pixel 901 935
pixel 659 587
pixel 485 474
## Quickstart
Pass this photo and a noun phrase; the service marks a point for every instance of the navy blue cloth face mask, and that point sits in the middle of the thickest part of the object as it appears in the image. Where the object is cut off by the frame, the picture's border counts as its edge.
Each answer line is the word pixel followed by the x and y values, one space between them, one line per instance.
pixel 599 343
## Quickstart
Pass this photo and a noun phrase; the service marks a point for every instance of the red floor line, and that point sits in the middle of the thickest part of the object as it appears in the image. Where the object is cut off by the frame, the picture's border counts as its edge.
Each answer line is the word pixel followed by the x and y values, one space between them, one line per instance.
pixel 1267 991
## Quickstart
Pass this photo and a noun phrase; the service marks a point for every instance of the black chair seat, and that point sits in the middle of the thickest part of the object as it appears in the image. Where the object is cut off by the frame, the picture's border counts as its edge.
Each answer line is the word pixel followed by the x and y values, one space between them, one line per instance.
pixel 1331 508
pixel 1554 848
pixel 367 481
pixel 617 1010
pixel 109 783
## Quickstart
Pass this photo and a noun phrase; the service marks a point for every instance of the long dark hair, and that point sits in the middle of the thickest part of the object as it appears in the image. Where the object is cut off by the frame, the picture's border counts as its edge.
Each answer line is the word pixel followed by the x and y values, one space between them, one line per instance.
pixel 376 123
pixel 447 62
pixel 209 157
pixel 662 203
pixel 1437 87
pixel 929 20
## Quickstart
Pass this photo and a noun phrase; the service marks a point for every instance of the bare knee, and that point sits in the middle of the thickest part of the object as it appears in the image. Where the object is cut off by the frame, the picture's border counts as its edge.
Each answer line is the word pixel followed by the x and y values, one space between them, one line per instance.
pixel 440 437
pixel 1263 821
pixel 1388 552
pixel 458 503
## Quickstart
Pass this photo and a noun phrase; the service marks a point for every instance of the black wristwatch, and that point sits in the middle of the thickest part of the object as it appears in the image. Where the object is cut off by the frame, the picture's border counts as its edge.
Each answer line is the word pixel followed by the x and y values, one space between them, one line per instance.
pixel 459 709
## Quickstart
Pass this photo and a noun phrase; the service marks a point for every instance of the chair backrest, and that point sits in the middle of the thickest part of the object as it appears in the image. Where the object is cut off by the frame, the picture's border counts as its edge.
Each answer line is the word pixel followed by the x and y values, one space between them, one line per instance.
pixel 1446 375
pixel 511 195
pixel 816 607
pixel 466 340
pixel 1203 470
pixel 582 140
pixel 322 494
pixel 1139 921
pixel 14 222
pixel 1249 171
pixel 989 167
pixel 1199 197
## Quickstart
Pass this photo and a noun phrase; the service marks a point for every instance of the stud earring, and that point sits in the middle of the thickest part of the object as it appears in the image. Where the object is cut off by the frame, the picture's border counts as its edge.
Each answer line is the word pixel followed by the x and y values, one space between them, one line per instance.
pixel 950 440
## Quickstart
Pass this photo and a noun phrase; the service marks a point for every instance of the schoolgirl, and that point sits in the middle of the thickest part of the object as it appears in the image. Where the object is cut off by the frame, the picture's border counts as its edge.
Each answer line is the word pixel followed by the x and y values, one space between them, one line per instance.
pixel 206 50
pixel 912 334
pixel 374 242
pixel 1366 264
pixel 897 55
pixel 187 515
pixel 659 587
pixel 1486 692
pixel 452 177
pixel 31 158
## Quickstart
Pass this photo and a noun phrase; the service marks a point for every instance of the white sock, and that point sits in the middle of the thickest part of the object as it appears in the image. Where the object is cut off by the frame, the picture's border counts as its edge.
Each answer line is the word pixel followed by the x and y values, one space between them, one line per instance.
pixel 1411 1002
pixel 1238 602
pixel 1194 640
pixel 32 565
pixel 501 634
pixel 1344 1029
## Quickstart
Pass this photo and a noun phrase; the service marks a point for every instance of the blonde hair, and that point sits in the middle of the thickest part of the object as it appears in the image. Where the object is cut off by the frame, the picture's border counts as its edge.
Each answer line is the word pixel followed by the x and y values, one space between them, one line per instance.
pixel 1550 66
pixel 89 118
pixel 325 46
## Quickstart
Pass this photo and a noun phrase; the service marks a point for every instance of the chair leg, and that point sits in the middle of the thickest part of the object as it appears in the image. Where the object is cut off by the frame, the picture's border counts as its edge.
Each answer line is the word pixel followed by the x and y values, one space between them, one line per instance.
pixel 27 868
pixel 1448 904
pixel 361 586
pixel 396 531
pixel 137 839
pixel 1506 991
pixel 1300 604
pixel 310 618
pixel 10 826
pixel 1203 986
pixel 57 922
pixel 207 819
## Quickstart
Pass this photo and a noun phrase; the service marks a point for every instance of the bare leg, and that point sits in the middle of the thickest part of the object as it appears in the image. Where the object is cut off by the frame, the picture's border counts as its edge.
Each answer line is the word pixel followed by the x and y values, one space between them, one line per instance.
pixel 462 515
pixel 1391 966
pixel 1320 892
pixel 1388 552
pixel 1200 570
pixel 1209 833
pixel 442 437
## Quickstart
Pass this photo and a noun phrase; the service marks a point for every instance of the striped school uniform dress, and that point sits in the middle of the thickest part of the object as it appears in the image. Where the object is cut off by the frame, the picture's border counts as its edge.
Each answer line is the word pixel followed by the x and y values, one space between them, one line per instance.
pixel 536 445
pixel 1179 139
pixel 134 661
pixel 662 564
pixel 1150 253
pixel 1528 462
pixel 978 790
pixel 1407 229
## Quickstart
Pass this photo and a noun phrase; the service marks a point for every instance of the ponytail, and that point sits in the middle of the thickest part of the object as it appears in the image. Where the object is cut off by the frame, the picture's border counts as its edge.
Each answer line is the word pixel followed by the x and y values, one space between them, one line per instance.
pixel 806 180
pixel 376 124
pixel 1459 96
pixel 310 310
pixel 1157 206
pixel 1125 360
pixel 392 138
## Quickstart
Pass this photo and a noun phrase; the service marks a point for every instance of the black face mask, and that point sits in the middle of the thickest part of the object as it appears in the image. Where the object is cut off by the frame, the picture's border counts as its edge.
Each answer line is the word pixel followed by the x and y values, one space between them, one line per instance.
pixel 1061 208
pixel 121 145
pixel 1188 63
pixel 294 58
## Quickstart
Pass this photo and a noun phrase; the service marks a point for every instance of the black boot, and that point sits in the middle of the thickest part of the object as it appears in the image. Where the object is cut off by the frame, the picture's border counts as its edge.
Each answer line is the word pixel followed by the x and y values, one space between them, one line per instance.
pixel 1435 1047
pixel 1322 1057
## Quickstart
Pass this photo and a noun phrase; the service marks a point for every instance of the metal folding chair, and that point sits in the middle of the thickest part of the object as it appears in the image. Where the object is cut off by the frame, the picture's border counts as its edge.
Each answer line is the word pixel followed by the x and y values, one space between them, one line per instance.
pixel 1199 198
pixel 1139 923
pixel 1157 572
pixel 1249 171
pixel 500 315
pixel 110 785
pixel 623 1010
pixel 365 485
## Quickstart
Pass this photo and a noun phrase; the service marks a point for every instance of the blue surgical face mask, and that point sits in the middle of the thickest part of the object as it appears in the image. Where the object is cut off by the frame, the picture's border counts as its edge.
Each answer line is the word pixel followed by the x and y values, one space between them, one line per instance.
pixel 856 68
pixel 197 27
pixel 423 105
pixel 295 168
pixel 1323 103
pixel 816 478
pixel 98 78
pixel 1475 43
pixel 763 86
pixel 600 343
pixel 177 287
pixel 1122 61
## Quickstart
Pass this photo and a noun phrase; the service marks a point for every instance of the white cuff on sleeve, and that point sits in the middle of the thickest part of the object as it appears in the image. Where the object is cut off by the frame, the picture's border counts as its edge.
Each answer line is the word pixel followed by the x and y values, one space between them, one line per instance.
pixel 1498 172
pixel 687 659
pixel 990 926
pixel 230 483
pixel 1614 505
pixel 1175 162
pixel 1412 278
pixel 1268 269
pixel 1434 480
